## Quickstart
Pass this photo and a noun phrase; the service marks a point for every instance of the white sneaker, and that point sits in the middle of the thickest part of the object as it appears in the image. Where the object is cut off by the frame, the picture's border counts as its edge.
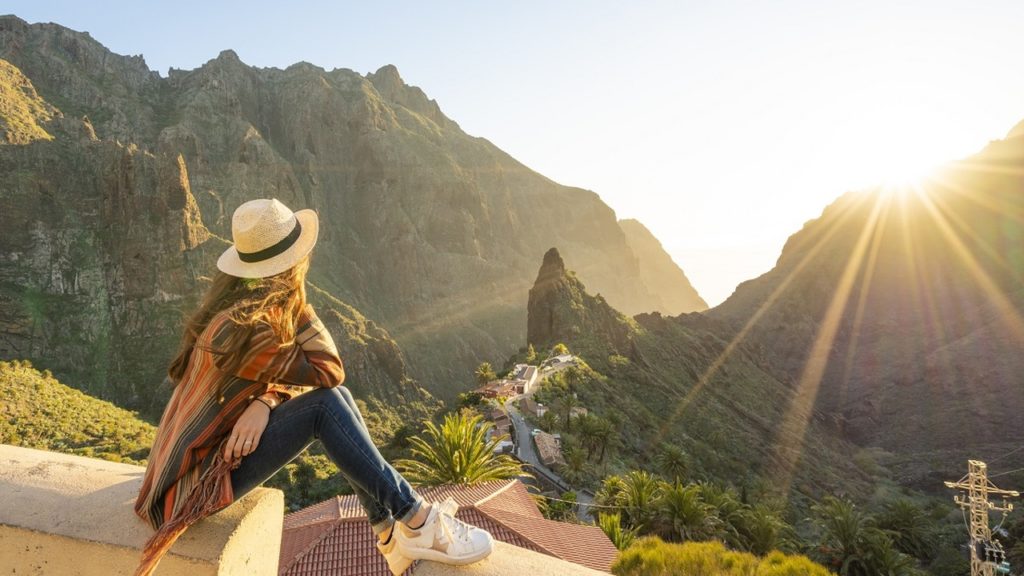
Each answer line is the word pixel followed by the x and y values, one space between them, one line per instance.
pixel 398 563
pixel 444 538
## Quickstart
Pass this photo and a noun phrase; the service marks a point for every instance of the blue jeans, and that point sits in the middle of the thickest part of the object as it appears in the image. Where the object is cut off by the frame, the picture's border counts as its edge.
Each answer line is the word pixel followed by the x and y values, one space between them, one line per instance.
pixel 330 415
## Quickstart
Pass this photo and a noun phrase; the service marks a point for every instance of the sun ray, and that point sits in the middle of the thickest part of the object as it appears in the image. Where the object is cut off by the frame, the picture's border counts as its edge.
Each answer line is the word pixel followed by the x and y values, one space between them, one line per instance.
pixel 790 439
pixel 831 224
pixel 1007 310
pixel 865 289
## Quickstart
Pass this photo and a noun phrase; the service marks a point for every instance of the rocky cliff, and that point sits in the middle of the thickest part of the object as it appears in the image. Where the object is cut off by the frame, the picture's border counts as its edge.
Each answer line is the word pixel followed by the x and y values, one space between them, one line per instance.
pixel 427 229
pixel 102 253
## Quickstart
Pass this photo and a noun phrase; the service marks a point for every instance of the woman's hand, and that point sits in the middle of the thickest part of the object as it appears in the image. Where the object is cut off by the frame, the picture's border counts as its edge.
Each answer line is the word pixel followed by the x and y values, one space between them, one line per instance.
pixel 247 431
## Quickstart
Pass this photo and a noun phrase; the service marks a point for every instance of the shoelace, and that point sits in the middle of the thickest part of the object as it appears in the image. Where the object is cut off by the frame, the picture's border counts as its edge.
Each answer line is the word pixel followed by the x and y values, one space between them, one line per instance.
pixel 454 529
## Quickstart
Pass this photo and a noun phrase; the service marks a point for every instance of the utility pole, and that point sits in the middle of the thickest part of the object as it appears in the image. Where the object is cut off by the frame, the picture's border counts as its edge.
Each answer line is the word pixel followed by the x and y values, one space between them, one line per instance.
pixel 986 553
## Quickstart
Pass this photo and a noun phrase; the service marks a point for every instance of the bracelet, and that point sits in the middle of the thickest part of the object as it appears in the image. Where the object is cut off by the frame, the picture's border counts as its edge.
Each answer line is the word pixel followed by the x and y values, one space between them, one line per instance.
pixel 265 403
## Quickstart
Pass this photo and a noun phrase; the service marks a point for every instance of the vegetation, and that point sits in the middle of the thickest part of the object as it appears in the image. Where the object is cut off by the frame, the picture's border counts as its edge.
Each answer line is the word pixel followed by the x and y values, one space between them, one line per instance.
pixel 21 109
pixel 485 373
pixel 650 556
pixel 37 411
pixel 457 453
pixel 851 542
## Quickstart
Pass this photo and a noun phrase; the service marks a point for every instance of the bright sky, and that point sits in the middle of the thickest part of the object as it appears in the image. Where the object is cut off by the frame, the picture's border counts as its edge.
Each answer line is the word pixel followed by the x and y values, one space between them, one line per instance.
pixel 722 126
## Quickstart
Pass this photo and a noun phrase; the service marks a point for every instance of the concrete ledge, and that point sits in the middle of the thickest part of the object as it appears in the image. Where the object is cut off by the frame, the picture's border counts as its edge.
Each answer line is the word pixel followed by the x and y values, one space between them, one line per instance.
pixel 507 560
pixel 65 514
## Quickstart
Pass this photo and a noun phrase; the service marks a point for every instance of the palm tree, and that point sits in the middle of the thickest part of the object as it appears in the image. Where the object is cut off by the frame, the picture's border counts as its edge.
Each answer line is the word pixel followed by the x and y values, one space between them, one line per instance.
pixel 457 453
pixel 683 514
pixel 672 462
pixel 573 378
pixel 611 524
pixel 549 422
pixel 764 530
pixel 575 464
pixel 608 493
pixel 853 545
pixel 566 403
pixel 603 435
pixel 587 427
pixel 909 527
pixel 485 373
pixel 843 528
pixel 730 511
pixel 639 497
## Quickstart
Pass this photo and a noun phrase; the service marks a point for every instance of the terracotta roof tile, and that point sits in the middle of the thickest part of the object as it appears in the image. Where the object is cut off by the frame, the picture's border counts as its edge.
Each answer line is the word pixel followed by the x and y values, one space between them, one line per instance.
pixel 333 537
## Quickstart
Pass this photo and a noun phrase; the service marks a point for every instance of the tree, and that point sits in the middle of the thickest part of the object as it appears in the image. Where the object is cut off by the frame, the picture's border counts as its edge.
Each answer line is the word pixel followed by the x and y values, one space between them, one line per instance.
pixel 549 421
pixel 566 403
pixel 531 354
pixel 764 530
pixel 909 527
pixel 672 462
pixel 587 425
pixel 611 524
pixel 851 543
pixel 575 464
pixel 683 515
pixel 485 373
pixel 559 349
pixel 638 496
pixel 727 507
pixel 457 453
pixel 562 511
pixel 603 434
pixel 574 377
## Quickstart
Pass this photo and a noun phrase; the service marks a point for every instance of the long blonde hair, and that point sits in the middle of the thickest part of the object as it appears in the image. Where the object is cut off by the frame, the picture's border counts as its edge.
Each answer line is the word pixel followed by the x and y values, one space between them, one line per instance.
pixel 275 300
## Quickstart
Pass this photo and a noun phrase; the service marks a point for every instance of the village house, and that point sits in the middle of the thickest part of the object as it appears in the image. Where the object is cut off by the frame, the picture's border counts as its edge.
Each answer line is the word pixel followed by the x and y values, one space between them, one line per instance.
pixel 497 389
pixel 502 424
pixel 548 449
pixel 333 537
pixel 525 376
pixel 527 405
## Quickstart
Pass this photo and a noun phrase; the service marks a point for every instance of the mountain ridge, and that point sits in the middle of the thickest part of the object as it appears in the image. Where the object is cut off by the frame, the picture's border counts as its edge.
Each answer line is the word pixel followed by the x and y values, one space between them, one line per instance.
pixel 426 229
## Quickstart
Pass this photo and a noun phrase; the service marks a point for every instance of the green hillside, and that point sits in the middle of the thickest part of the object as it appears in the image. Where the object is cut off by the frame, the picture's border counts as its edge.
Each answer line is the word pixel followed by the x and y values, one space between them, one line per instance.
pixel 37 411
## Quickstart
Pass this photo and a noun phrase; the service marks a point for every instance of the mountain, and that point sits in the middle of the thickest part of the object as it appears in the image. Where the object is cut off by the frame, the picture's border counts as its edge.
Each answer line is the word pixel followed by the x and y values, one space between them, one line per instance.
pixel 660 272
pixel 103 254
pixel 899 315
pixel 676 380
pixel 431 232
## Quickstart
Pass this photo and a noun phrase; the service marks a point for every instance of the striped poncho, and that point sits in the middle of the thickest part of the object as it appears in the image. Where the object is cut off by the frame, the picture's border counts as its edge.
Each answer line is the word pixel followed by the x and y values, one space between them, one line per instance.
pixel 186 476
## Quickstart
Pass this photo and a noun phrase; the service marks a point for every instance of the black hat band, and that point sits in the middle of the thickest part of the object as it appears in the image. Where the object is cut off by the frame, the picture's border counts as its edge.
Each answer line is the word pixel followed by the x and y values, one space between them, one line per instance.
pixel 273 250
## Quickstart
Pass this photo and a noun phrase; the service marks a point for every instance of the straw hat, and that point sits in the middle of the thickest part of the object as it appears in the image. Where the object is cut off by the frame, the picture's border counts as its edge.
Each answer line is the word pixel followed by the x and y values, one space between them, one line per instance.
pixel 269 239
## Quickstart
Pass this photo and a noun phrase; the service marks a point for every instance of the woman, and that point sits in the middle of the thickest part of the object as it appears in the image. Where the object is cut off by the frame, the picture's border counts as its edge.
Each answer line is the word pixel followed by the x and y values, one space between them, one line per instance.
pixel 242 406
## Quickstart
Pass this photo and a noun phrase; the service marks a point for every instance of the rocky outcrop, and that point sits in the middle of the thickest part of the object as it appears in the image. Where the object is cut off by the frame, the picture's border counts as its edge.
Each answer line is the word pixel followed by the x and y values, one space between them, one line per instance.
pixel 430 231
pixel 561 310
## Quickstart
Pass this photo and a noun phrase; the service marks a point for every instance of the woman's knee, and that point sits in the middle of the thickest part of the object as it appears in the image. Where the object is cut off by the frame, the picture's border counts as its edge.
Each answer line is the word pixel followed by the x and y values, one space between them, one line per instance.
pixel 332 399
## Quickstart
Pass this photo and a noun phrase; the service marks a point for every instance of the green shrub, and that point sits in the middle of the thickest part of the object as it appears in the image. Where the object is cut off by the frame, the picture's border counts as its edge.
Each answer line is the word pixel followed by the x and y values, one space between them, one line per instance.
pixel 650 556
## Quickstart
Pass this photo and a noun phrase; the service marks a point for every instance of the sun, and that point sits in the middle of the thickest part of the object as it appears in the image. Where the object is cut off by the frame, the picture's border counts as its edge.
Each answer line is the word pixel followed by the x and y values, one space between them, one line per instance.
pixel 906 174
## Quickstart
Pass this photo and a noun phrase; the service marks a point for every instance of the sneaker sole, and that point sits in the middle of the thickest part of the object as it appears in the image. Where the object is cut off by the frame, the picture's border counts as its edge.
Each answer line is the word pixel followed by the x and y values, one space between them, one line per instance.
pixel 438 556
pixel 401 567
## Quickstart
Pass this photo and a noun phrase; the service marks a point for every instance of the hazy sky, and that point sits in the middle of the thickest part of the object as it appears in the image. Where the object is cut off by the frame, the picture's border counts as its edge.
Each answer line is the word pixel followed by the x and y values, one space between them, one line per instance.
pixel 722 126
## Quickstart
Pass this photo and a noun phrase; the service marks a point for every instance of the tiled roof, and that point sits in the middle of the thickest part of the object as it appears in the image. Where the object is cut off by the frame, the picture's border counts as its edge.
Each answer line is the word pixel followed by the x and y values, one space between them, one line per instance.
pixel 333 537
